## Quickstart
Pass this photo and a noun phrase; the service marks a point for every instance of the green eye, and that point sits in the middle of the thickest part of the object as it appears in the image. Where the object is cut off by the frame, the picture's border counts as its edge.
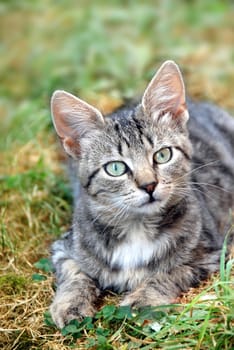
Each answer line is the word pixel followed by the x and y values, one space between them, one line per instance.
pixel 115 168
pixel 163 155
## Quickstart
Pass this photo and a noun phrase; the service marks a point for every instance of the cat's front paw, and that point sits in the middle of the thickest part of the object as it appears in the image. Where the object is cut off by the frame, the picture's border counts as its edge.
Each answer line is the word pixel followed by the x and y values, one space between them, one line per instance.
pixel 141 298
pixel 63 310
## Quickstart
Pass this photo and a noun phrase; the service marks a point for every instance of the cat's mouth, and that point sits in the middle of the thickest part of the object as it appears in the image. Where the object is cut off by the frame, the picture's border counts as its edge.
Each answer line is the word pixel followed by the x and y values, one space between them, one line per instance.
pixel 150 201
pixel 149 207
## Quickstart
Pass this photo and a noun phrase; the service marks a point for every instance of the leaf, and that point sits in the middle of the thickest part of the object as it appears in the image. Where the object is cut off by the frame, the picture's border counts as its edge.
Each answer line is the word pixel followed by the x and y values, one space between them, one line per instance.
pixel 123 312
pixel 106 312
pixel 72 328
pixel 44 264
pixel 37 277
pixel 48 319
pixel 103 343
pixel 91 342
pixel 103 332
pixel 87 323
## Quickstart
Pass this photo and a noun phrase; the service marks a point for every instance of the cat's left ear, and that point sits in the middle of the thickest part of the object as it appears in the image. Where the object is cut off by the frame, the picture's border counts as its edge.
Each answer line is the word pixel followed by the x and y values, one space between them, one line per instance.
pixel 166 93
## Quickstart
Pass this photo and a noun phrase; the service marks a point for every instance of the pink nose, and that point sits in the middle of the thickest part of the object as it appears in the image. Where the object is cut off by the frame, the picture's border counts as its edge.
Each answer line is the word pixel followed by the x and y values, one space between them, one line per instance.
pixel 149 188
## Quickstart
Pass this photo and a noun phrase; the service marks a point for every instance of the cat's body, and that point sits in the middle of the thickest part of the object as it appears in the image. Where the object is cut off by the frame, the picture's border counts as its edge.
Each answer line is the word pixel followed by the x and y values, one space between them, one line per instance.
pixel 153 204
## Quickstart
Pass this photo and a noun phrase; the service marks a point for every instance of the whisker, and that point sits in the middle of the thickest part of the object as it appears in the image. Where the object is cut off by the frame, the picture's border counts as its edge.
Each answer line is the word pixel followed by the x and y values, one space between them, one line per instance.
pixel 120 215
pixel 211 185
pixel 110 207
pixel 211 196
pixel 196 169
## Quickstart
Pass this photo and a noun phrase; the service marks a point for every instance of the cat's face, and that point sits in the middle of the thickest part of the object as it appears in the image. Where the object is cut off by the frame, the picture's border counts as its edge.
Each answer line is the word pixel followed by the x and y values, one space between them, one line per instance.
pixel 136 160
pixel 133 166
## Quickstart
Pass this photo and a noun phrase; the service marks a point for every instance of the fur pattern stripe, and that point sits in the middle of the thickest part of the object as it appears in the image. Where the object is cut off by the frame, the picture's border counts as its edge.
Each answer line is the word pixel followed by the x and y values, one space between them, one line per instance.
pixel 154 188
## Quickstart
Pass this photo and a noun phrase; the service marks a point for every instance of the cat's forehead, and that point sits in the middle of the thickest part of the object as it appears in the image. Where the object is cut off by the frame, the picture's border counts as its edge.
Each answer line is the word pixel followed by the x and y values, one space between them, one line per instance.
pixel 124 135
pixel 127 128
pixel 123 116
pixel 129 125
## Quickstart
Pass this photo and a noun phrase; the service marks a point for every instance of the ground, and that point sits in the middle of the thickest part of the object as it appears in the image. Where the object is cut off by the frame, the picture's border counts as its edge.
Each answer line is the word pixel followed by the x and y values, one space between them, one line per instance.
pixel 104 52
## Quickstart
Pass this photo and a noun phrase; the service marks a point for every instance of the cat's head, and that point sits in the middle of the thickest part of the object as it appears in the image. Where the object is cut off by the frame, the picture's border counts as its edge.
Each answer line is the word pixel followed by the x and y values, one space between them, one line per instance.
pixel 135 160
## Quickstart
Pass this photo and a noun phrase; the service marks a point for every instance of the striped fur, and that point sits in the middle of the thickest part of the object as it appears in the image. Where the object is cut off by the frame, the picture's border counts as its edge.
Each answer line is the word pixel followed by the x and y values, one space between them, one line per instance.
pixel 150 241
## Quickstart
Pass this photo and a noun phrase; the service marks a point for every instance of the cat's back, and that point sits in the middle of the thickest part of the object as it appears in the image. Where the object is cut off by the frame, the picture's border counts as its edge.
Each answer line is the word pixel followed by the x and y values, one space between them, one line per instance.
pixel 211 131
pixel 211 125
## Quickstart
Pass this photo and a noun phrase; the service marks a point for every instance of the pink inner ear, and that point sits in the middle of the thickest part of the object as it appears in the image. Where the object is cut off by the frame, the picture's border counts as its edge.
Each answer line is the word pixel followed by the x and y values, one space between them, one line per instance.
pixel 179 109
pixel 71 146
pixel 176 87
pixel 61 123
pixel 73 116
pixel 165 92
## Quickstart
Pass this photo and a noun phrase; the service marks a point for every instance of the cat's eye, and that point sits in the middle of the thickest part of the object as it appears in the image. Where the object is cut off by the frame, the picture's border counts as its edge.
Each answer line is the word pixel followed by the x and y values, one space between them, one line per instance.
pixel 116 168
pixel 163 155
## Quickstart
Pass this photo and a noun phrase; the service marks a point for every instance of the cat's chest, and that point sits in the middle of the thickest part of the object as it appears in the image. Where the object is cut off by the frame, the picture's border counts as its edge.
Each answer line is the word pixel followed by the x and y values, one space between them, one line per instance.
pixel 136 250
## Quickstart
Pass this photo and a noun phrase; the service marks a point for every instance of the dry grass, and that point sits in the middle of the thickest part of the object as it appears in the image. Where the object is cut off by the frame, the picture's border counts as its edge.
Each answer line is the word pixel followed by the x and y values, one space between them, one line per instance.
pixel 38 57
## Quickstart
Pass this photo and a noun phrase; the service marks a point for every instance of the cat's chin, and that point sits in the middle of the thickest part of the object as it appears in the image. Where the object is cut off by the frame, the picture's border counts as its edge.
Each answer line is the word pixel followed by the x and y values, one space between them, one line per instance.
pixel 150 207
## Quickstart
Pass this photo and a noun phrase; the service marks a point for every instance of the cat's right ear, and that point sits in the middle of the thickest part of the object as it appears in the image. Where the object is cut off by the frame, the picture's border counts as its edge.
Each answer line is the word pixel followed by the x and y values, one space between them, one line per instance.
pixel 72 119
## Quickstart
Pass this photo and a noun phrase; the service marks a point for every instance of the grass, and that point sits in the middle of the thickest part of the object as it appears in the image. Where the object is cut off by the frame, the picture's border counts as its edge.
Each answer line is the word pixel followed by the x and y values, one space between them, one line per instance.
pixel 103 52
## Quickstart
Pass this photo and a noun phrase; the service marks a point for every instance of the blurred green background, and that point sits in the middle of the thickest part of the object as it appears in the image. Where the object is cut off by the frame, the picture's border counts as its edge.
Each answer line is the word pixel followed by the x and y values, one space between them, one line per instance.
pixel 111 48
pixel 102 51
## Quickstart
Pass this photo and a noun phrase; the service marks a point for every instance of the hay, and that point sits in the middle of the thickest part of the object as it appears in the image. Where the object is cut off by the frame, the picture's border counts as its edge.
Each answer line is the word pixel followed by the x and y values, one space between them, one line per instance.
pixel 35 206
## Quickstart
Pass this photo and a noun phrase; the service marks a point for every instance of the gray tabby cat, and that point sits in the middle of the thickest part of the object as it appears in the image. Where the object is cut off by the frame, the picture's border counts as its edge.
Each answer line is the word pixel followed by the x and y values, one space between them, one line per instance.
pixel 155 196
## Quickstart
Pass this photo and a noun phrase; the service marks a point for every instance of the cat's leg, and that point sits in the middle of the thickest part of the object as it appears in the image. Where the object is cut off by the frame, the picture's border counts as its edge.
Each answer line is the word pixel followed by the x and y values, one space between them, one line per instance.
pixel 161 288
pixel 76 292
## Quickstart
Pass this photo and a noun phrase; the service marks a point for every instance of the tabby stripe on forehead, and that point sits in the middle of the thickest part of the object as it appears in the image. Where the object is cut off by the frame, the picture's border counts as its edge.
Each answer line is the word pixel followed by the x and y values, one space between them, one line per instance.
pixel 120 150
pixel 138 125
pixel 117 129
pixel 142 134
pixel 139 128
pixel 184 153
pixel 91 177
pixel 126 141
pixel 149 139
pixel 120 134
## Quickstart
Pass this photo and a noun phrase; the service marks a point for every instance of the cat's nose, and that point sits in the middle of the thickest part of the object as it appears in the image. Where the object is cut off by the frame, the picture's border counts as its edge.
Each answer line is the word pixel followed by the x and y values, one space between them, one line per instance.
pixel 150 187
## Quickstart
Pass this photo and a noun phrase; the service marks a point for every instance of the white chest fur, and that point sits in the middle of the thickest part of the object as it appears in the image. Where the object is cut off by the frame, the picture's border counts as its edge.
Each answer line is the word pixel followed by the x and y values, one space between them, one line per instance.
pixel 136 250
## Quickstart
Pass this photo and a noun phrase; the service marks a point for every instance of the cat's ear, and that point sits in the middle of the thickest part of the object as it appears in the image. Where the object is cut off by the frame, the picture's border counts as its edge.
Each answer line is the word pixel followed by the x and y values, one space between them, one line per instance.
pixel 72 119
pixel 166 93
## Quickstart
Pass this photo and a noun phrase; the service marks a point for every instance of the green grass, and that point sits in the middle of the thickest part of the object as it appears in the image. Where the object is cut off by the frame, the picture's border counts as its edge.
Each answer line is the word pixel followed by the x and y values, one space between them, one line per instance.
pixel 103 51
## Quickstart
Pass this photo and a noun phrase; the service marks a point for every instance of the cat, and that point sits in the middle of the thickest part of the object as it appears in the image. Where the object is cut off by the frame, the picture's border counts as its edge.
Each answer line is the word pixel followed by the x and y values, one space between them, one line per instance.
pixel 155 188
